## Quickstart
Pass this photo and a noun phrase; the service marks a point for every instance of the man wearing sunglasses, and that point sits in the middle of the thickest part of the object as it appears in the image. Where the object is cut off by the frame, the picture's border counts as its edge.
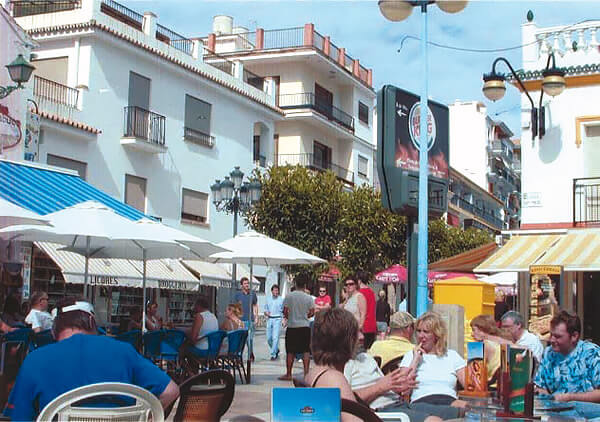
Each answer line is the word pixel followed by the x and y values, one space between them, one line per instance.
pixel 323 301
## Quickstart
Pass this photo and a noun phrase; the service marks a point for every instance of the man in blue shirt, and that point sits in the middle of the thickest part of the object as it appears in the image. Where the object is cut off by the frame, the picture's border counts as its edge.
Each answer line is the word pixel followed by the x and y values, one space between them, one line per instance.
pixel 247 299
pixel 81 358
pixel 274 314
pixel 570 367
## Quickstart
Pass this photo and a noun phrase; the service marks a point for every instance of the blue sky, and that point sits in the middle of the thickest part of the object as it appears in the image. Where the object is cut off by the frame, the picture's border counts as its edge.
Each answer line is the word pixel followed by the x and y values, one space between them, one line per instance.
pixel 367 35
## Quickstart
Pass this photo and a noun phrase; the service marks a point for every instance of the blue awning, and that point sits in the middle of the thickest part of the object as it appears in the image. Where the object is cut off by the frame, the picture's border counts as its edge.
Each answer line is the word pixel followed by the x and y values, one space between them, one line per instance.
pixel 43 190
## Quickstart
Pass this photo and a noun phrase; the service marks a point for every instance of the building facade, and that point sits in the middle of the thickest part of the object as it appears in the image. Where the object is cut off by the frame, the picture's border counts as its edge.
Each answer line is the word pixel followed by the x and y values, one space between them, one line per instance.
pixel 327 96
pixel 482 150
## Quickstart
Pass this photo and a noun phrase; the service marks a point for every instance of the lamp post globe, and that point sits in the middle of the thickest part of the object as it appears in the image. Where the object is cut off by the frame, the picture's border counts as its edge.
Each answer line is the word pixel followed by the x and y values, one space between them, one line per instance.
pixel 20 70
pixel 236 177
pixel 255 190
pixel 452 6
pixel 395 10
pixel 554 82
pixel 227 189
pixel 216 191
pixel 494 86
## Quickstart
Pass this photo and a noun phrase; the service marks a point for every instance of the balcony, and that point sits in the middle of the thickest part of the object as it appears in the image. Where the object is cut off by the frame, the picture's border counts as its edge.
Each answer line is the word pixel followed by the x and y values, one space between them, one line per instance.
pixel 586 202
pixel 197 137
pixel 143 130
pixel 476 211
pixel 316 163
pixel 55 98
pixel 32 7
pixel 309 100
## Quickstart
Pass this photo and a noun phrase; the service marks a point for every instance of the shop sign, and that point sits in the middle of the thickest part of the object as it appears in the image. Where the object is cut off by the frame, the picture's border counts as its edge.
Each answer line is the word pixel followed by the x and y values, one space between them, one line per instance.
pixel 545 269
pixel 175 285
pixel 532 199
pixel 31 147
pixel 101 280
pixel 10 130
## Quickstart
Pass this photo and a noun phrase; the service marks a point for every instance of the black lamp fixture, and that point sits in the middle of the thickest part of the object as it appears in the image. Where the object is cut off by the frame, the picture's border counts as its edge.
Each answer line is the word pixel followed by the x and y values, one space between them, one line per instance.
pixel 553 84
pixel 20 71
pixel 234 195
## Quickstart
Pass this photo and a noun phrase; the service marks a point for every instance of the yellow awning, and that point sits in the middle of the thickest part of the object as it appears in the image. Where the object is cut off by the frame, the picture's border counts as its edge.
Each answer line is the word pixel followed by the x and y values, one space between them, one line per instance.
pixel 519 253
pixel 577 251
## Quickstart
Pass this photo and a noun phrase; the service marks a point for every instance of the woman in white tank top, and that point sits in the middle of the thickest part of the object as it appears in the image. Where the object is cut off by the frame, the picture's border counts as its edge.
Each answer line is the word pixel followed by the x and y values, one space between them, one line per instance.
pixel 356 303
pixel 204 322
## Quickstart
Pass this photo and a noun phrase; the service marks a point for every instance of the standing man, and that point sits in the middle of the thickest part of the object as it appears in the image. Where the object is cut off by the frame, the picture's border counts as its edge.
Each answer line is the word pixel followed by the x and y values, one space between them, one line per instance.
pixel 247 299
pixel 298 307
pixel 274 314
pixel 369 327
pixel 323 301
pixel 382 313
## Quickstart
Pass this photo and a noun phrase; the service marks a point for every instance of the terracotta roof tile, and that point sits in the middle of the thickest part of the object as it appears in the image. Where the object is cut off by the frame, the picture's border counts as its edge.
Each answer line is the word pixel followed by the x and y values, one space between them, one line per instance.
pixel 69 122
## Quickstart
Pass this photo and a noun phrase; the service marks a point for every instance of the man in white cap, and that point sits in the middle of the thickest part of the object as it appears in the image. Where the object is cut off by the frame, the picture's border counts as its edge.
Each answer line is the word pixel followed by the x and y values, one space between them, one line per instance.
pixel 78 358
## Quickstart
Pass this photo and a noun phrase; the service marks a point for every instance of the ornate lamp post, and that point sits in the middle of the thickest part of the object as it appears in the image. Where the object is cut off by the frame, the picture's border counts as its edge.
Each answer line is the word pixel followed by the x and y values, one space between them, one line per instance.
pixel 553 84
pixel 398 10
pixel 233 196
pixel 20 71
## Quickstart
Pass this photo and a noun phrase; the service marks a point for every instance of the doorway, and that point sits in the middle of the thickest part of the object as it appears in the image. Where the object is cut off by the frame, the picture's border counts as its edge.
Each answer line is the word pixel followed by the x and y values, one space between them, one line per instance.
pixel 591 304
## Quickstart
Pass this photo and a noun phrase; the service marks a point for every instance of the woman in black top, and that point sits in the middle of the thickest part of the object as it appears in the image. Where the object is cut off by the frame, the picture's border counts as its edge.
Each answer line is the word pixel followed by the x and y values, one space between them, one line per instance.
pixel 382 313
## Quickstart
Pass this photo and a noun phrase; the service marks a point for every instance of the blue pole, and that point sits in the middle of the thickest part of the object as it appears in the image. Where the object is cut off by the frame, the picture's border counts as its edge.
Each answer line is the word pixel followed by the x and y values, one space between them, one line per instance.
pixel 423 175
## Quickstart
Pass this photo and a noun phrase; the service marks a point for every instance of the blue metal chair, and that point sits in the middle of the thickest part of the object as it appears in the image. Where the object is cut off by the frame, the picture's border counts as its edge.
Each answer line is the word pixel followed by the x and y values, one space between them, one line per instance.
pixel 151 344
pixel 101 330
pixel 170 345
pixel 233 360
pixel 133 337
pixel 43 338
pixel 206 358
pixel 19 342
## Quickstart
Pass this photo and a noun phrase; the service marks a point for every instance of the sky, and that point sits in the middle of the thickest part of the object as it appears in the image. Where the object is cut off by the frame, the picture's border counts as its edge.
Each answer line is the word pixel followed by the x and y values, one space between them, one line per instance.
pixel 358 26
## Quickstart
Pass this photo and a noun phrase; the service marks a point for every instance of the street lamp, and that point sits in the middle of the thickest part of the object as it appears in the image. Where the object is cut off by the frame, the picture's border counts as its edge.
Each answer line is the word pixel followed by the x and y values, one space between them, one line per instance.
pixel 20 71
pixel 233 196
pixel 397 10
pixel 553 84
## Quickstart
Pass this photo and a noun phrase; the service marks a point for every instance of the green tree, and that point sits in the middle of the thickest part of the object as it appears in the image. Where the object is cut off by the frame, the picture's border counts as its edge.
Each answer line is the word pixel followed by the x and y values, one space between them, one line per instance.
pixel 446 241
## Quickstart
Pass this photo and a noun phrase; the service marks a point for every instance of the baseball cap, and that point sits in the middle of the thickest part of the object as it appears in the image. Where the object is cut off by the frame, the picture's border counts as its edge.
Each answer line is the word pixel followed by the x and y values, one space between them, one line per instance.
pixel 78 306
pixel 401 320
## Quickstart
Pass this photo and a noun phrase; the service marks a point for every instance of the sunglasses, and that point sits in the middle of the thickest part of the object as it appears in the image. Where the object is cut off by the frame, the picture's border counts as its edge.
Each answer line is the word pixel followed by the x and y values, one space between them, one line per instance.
pixel 322 291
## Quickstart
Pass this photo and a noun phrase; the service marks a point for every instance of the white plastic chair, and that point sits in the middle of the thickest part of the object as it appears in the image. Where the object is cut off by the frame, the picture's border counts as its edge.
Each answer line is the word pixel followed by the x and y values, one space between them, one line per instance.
pixel 146 405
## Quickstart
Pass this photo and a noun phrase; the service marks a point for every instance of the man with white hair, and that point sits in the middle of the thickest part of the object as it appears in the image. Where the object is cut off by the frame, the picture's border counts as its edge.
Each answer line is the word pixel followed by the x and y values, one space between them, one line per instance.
pixel 78 358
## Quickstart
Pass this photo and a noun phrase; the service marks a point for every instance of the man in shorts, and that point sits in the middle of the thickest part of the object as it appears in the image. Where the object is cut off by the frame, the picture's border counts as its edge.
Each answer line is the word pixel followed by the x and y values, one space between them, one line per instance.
pixel 298 307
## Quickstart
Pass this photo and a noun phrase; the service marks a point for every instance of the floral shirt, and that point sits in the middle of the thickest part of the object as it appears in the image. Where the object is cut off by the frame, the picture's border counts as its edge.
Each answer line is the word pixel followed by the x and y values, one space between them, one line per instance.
pixel 578 372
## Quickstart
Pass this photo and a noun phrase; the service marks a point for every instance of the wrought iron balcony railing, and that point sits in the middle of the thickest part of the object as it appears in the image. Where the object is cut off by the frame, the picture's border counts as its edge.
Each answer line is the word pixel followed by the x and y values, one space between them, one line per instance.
pixel 316 163
pixel 47 90
pixel 198 137
pixel 37 7
pixel 144 124
pixel 586 201
pixel 310 100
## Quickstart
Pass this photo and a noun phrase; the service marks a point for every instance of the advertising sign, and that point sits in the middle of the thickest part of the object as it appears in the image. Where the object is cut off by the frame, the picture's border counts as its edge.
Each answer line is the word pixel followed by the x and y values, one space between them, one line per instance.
pixel 408 134
pixel 31 149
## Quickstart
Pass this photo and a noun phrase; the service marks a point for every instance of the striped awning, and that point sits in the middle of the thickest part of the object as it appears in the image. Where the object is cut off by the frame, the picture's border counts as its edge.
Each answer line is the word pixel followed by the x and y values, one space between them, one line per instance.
pixel 164 274
pixel 519 253
pixel 577 251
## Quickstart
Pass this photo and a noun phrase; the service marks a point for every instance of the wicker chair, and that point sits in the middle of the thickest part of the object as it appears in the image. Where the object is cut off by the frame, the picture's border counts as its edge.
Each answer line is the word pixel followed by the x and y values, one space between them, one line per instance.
pixel 205 397
pixel 146 405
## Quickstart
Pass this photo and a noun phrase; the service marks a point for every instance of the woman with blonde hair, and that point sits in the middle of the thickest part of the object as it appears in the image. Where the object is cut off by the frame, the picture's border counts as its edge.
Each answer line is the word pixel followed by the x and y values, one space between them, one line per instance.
pixel 483 327
pixel 437 368
pixel 233 314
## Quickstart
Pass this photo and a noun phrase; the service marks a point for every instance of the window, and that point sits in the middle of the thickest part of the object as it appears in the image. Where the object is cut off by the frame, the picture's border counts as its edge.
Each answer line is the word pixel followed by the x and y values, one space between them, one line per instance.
pixel 67 163
pixel 263 283
pixel 197 121
pixel 135 192
pixel 257 158
pixel 322 156
pixel 139 91
pixel 55 69
pixel 194 206
pixel 363 113
pixel 363 166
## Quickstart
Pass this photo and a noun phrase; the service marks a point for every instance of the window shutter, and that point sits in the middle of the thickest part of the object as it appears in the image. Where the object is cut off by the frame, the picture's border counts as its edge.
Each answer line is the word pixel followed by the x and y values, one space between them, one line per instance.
pixel 135 192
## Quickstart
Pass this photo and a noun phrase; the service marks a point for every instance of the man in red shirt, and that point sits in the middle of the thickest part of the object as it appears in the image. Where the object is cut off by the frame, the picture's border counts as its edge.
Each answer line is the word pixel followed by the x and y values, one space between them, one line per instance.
pixel 323 301
pixel 369 328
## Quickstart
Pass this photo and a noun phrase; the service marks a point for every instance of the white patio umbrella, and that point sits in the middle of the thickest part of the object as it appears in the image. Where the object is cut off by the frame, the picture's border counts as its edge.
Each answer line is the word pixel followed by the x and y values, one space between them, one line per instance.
pixel 256 248
pixel 11 214
pixel 95 231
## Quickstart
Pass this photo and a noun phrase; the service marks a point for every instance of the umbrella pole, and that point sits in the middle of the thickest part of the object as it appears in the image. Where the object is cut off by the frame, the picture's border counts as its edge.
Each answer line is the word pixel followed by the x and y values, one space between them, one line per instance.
pixel 86 272
pixel 144 291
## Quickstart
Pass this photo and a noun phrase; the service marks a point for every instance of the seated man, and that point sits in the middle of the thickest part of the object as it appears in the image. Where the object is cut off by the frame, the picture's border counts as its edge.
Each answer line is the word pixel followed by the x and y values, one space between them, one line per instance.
pixel 81 358
pixel 382 392
pixel 402 327
pixel 570 367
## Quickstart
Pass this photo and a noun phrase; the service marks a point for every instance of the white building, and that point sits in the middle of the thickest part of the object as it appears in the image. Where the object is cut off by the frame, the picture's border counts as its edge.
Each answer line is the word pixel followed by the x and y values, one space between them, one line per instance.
pixel 327 96
pixel 482 150
pixel 135 109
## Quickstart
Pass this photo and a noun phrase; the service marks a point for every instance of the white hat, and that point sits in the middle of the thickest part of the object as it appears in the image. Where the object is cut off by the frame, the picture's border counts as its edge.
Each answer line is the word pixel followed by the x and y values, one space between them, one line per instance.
pixel 78 306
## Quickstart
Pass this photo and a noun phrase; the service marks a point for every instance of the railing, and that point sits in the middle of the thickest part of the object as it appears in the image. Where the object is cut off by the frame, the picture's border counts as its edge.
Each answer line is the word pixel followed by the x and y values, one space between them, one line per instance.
pixel 144 124
pixel 174 39
pixel 122 13
pixel 45 89
pixel 318 40
pixel 245 41
pixel 467 206
pixel 219 62
pixel 334 52
pixel 315 163
pixel 586 201
pixel 283 38
pixel 253 79
pixel 309 100
pixel 198 137
pixel 260 160
pixel 33 7
pixel 516 165
pixel 348 63
pixel 561 38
